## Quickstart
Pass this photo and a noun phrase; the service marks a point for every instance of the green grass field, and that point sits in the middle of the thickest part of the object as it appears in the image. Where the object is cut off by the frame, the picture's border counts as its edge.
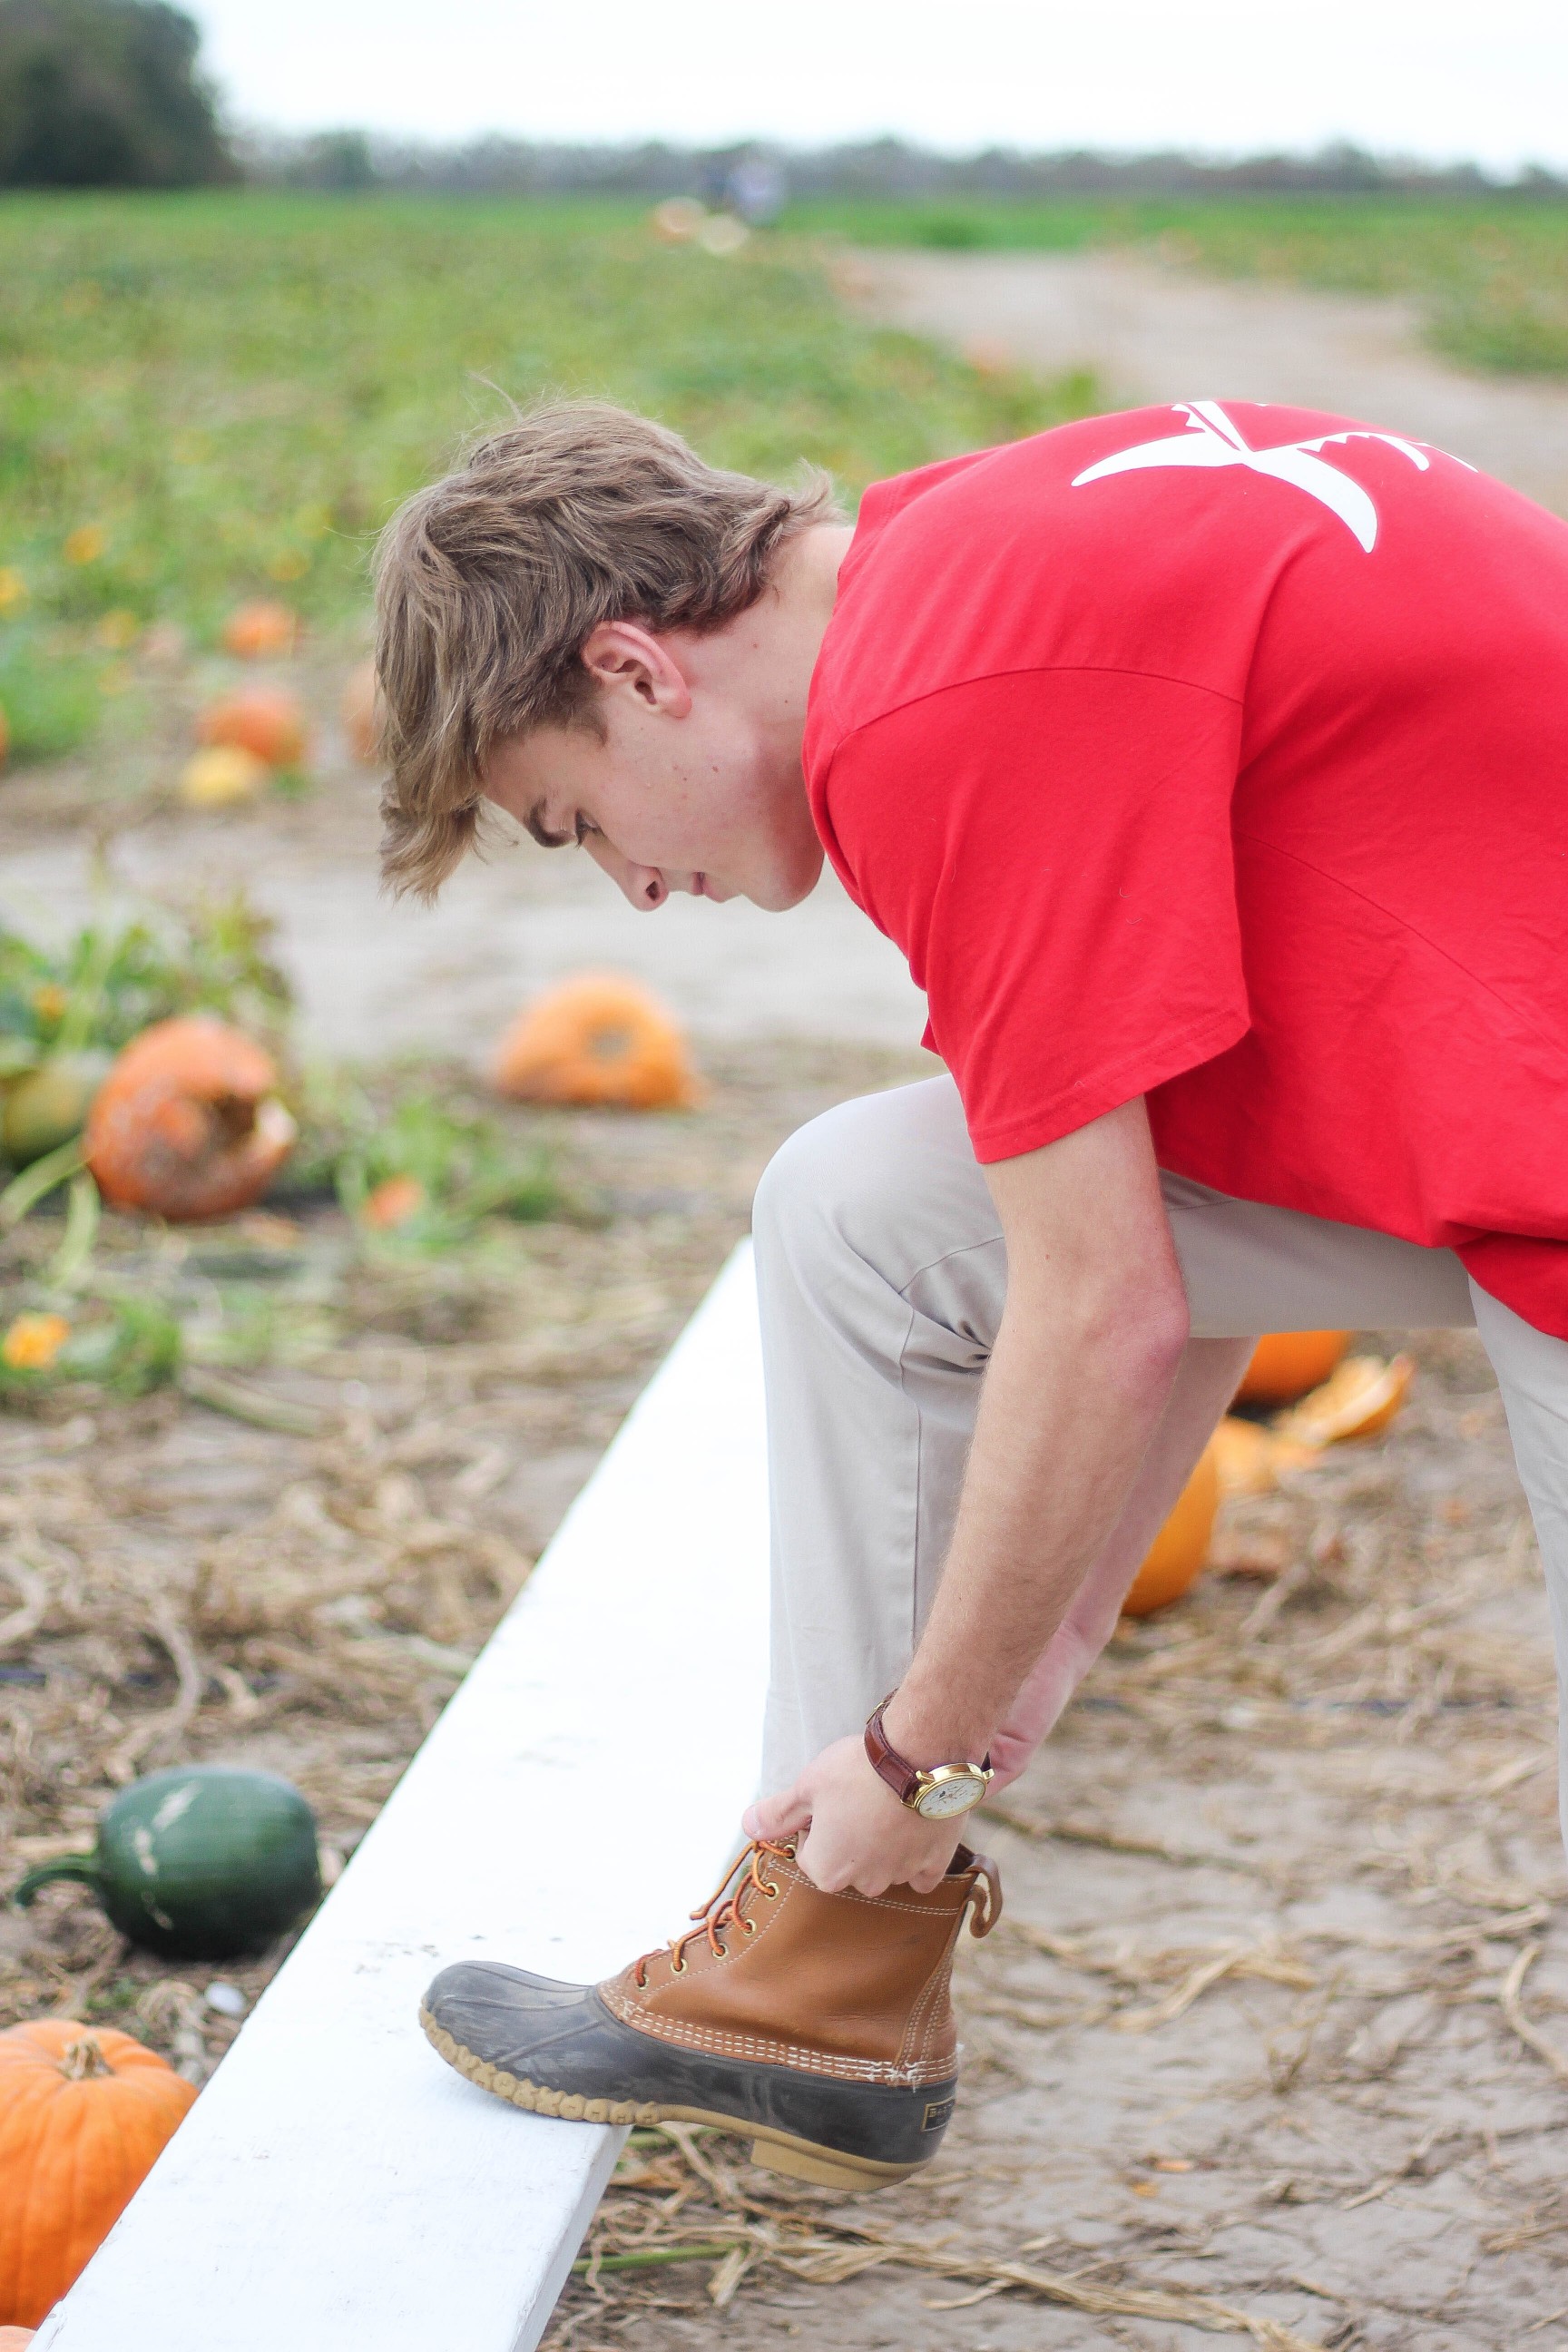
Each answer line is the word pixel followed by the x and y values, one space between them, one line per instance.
pixel 214 396
pixel 1491 274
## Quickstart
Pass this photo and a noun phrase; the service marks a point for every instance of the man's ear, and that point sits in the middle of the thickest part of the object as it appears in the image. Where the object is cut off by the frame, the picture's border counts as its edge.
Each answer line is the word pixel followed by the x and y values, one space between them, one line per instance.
pixel 623 658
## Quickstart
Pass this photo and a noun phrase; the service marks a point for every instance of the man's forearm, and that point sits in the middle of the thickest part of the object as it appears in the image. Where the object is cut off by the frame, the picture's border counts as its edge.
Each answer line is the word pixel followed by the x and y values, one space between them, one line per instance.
pixel 1205 1385
pixel 1066 1419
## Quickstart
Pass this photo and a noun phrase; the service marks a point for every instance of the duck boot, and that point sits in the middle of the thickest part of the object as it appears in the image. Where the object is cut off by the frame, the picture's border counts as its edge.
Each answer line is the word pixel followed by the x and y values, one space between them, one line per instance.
pixel 818 2026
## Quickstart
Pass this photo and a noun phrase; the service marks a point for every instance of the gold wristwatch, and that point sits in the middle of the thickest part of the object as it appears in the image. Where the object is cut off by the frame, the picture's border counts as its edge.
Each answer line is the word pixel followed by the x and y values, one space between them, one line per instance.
pixel 936 1794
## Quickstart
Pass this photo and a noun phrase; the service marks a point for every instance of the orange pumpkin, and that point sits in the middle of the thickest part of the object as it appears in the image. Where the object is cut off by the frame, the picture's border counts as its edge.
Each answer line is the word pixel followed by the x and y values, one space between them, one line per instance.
pixel 1286 1364
pixel 393 1201
pixel 361 713
pixel 600 1038
pixel 261 627
pixel 188 1123
pixel 1182 1546
pixel 261 719
pixel 84 2115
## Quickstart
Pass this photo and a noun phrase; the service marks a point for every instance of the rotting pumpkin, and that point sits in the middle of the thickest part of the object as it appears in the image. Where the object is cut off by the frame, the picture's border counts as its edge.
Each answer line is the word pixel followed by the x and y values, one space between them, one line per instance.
pixel 84 2115
pixel 1358 1400
pixel 188 1123
pixel 600 1038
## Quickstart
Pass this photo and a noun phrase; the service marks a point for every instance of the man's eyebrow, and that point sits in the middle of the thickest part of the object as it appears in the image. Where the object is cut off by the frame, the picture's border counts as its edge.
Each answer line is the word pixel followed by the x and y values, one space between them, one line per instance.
pixel 533 822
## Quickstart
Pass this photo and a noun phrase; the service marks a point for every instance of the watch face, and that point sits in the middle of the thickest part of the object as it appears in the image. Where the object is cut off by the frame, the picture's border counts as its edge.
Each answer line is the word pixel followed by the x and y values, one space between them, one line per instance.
pixel 945 1798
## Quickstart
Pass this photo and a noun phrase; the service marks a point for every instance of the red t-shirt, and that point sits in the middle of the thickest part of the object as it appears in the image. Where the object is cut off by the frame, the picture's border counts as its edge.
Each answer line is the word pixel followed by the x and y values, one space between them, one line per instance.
pixel 1219 754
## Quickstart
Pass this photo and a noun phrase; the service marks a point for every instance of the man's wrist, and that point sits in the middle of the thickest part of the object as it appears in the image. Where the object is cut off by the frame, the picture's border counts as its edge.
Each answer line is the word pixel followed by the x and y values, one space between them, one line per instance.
pixel 929 1733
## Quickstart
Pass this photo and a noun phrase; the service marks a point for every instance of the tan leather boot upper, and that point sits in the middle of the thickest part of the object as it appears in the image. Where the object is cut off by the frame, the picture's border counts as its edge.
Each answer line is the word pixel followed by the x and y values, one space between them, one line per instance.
pixel 781 1973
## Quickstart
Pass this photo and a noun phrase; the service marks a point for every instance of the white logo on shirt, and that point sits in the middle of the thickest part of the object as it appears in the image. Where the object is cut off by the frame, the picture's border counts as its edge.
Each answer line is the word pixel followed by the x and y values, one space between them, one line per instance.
pixel 1211 439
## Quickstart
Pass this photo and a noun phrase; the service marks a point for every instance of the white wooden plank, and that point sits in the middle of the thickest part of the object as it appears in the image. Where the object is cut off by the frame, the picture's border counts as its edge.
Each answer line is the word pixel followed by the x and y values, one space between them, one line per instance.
pixel 336 2187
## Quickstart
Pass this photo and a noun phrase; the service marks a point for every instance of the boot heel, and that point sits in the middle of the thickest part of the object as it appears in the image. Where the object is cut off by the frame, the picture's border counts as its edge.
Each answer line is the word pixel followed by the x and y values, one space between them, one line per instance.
pixel 855 2177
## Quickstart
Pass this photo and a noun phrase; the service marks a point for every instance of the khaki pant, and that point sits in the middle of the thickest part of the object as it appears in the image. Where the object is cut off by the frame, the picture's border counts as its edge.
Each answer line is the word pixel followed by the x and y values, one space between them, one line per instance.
pixel 881 1273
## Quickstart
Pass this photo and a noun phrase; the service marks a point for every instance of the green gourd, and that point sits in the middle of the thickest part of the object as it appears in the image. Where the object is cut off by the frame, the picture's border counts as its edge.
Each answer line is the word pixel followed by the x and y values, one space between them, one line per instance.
pixel 49 1105
pixel 202 1862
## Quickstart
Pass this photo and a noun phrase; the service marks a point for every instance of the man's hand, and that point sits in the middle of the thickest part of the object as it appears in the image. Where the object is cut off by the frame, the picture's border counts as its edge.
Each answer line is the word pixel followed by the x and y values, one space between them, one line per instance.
pixel 861 1837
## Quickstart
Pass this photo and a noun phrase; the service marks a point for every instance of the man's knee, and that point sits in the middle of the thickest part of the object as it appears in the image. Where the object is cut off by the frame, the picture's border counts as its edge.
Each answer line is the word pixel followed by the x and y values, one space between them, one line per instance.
pixel 823 1188
pixel 881 1180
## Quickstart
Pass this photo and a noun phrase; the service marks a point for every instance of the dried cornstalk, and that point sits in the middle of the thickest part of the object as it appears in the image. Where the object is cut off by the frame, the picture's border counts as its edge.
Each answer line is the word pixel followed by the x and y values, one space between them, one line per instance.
pixel 1258 1960
pixel 1469 1932
pixel 22 1622
pixel 1513 2009
pixel 162 1730
pixel 1036 1825
pixel 826 2260
pixel 1195 1971
pixel 728 2276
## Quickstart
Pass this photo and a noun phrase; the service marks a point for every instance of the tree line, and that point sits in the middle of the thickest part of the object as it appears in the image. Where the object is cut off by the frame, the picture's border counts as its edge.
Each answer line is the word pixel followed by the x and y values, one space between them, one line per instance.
pixel 108 93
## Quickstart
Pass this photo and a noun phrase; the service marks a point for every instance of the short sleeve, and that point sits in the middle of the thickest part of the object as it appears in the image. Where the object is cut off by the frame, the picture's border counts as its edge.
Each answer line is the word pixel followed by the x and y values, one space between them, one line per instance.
pixel 1052 852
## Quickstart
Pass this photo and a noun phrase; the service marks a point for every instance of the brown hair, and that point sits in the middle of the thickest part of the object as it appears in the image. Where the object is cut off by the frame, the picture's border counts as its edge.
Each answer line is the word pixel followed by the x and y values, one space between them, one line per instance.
pixel 488 582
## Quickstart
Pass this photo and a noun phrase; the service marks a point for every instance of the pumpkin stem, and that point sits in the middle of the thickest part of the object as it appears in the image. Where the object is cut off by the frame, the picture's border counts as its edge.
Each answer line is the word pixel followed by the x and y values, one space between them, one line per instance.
pixel 80 1866
pixel 80 2060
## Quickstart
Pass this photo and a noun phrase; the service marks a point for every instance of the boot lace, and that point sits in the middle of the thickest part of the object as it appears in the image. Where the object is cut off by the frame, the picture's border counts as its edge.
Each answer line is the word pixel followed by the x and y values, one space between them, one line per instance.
pixel 725 1907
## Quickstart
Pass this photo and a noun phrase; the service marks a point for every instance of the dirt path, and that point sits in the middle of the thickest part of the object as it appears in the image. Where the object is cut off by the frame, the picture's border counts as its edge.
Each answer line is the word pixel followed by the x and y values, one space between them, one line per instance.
pixel 1153 334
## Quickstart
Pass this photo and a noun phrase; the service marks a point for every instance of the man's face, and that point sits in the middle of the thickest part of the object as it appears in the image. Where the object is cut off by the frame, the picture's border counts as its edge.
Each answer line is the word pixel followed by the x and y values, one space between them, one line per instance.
pixel 689 788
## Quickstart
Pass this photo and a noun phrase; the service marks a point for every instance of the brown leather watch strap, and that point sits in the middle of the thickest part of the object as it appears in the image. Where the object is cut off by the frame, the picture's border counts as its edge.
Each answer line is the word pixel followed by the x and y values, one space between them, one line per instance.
pixel 902 1777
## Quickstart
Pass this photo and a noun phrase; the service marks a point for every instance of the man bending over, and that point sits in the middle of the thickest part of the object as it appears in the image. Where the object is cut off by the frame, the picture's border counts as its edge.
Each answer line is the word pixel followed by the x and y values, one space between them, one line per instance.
pixel 1209 765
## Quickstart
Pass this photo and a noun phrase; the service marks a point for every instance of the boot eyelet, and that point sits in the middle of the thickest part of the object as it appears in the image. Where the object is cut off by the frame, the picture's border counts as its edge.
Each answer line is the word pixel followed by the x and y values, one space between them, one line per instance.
pixel 772 1890
pixel 749 1927
pixel 677 1967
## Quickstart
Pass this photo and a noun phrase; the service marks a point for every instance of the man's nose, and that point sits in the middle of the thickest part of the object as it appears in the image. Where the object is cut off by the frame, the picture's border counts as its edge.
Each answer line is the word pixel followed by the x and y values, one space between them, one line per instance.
pixel 644 886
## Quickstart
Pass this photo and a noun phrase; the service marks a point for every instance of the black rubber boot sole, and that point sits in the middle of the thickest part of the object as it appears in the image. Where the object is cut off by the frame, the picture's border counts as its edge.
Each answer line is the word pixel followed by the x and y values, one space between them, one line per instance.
pixel 556 2049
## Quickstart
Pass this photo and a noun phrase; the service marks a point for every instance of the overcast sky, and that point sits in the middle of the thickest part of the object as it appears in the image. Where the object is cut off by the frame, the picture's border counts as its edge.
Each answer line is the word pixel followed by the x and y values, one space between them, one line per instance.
pixel 1431 78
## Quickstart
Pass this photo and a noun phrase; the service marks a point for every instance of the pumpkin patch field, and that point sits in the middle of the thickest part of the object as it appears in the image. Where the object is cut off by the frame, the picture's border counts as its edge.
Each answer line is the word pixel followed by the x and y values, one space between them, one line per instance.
pixel 209 402
pixel 337 1239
